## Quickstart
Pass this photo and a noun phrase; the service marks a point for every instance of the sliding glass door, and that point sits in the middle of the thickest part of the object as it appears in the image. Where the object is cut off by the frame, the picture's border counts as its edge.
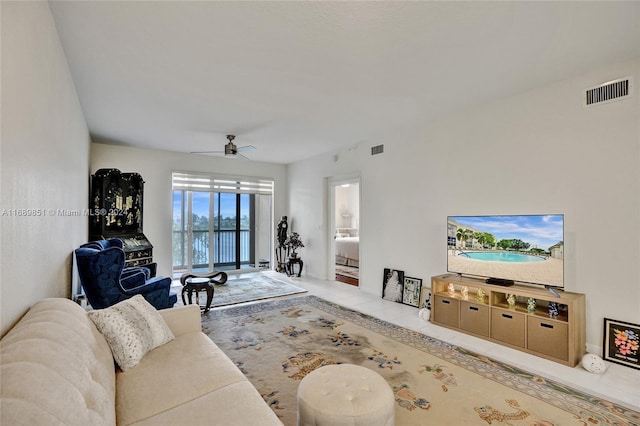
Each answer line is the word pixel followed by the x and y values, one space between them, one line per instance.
pixel 192 240
pixel 233 230
pixel 213 230
pixel 199 235
pixel 221 223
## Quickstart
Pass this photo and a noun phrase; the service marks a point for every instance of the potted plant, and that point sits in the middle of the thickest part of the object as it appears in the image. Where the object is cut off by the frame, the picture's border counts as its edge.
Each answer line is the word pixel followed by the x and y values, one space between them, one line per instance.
pixel 294 243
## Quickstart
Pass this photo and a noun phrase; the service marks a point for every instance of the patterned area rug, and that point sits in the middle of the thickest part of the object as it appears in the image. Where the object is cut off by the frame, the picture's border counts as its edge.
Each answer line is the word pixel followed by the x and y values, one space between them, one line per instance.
pixel 240 290
pixel 348 271
pixel 277 343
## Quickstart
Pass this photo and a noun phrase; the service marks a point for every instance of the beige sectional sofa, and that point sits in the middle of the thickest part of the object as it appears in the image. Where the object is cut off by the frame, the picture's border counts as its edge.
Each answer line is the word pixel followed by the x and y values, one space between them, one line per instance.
pixel 57 369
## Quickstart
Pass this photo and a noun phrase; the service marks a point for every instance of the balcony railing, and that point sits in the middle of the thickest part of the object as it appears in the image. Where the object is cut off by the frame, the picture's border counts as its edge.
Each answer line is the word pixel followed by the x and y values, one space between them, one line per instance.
pixel 224 252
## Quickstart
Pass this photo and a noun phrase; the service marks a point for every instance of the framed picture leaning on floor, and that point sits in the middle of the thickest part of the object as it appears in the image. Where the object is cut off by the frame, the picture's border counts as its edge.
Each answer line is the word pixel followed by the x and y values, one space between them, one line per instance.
pixel 392 285
pixel 411 291
pixel 621 341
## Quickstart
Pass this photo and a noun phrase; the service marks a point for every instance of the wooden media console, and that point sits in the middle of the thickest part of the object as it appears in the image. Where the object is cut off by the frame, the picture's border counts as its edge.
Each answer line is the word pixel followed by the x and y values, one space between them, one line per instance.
pixel 458 303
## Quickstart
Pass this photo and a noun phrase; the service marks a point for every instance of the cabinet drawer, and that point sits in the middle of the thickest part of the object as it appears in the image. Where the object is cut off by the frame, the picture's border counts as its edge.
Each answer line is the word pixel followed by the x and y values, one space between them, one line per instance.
pixel 129 255
pixel 508 327
pixel 548 337
pixel 474 318
pixel 445 310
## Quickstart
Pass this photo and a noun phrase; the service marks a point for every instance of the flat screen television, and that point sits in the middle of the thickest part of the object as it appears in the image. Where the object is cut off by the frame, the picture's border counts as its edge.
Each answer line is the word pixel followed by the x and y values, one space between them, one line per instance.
pixel 508 248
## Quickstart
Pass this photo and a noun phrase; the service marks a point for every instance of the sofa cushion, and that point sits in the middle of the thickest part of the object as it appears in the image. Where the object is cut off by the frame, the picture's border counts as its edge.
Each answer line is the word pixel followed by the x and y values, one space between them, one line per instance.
pixel 180 372
pixel 238 404
pixel 132 328
pixel 182 319
pixel 56 368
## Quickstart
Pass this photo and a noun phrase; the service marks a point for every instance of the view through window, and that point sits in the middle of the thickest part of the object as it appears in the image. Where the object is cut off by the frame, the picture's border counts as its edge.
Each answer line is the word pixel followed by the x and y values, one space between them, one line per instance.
pixel 215 229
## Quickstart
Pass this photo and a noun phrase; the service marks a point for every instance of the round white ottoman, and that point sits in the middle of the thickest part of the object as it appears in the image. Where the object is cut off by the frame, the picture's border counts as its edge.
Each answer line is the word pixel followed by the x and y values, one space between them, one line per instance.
pixel 345 395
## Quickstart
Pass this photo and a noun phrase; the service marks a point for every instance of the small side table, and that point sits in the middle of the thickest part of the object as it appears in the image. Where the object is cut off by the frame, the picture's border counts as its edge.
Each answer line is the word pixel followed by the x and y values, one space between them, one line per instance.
pixel 195 284
pixel 291 261
pixel 215 277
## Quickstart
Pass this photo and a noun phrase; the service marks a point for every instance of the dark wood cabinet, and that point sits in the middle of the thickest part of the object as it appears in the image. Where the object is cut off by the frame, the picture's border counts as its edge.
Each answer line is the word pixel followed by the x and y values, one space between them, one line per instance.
pixel 115 207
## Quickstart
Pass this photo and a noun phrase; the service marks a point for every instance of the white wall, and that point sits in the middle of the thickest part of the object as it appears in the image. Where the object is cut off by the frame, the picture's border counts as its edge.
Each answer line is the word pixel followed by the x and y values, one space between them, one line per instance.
pixel 44 158
pixel 156 166
pixel 539 152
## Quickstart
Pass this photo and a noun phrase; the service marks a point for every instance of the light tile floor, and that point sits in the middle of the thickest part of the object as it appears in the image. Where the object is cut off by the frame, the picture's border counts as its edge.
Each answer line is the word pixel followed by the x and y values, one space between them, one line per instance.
pixel 618 384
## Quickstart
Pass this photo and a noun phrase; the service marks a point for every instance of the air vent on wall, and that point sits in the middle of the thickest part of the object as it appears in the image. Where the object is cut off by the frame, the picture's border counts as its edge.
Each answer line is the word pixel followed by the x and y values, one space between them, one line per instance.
pixel 378 149
pixel 613 90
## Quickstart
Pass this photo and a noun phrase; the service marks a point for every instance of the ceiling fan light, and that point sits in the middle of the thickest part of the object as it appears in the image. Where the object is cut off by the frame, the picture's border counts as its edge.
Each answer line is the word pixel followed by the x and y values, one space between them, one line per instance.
pixel 230 150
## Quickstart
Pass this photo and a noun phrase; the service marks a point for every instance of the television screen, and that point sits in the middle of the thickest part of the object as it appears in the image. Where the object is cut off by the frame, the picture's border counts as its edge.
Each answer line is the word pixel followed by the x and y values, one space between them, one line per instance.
pixel 507 248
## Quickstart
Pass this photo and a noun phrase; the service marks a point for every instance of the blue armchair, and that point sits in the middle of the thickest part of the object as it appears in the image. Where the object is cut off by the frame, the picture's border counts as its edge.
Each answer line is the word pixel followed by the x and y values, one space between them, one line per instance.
pixel 106 281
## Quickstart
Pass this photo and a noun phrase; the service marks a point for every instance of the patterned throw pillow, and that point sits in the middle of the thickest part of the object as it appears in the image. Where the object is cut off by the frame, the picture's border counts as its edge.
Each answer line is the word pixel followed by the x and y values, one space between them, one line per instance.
pixel 132 328
pixel 160 331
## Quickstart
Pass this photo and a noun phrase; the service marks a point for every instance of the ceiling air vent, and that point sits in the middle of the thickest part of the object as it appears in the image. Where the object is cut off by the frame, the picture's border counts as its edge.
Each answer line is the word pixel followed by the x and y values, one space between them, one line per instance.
pixel 610 91
pixel 378 149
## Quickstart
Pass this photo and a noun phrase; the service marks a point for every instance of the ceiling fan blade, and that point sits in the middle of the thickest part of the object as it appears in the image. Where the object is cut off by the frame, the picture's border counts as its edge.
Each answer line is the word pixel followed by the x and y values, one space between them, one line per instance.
pixel 230 149
pixel 206 152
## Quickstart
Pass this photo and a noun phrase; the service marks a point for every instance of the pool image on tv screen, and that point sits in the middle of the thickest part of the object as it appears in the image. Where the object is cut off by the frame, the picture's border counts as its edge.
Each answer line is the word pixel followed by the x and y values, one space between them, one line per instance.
pixel 523 248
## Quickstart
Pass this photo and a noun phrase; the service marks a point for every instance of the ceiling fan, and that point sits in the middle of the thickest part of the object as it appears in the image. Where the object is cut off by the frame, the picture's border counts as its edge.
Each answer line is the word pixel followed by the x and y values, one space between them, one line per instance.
pixel 230 149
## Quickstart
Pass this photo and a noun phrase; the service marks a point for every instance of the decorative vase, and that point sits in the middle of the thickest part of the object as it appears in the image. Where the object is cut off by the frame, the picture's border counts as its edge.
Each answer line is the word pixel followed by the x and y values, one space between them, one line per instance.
pixel 465 292
pixel 424 314
pixel 511 301
pixel 531 305
pixel 451 289
pixel 553 309
pixel 593 364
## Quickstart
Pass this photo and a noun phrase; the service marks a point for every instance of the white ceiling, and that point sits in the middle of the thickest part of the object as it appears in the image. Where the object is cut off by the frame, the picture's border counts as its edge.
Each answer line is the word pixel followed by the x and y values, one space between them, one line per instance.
pixel 297 79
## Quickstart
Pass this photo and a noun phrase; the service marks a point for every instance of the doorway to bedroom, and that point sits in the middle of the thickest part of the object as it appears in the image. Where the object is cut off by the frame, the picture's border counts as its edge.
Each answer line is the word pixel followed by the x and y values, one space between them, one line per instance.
pixel 346 231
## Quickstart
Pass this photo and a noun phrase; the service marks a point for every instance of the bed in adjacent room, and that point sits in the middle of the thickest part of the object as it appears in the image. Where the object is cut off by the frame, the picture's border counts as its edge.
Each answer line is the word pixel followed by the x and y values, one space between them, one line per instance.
pixel 347 249
pixel 347 245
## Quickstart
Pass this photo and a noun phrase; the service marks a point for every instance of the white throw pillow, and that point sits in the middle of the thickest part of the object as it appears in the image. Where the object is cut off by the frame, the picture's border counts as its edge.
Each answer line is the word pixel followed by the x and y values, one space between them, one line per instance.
pixel 132 328
pixel 160 331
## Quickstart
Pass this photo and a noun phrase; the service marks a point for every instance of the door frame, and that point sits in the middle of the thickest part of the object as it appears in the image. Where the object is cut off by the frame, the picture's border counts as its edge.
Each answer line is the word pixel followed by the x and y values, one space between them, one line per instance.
pixel 334 182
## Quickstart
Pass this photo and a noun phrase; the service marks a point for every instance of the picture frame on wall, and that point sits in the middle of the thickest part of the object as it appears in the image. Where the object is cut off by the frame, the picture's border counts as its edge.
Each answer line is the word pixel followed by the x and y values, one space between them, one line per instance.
pixel 411 291
pixel 393 285
pixel 621 343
